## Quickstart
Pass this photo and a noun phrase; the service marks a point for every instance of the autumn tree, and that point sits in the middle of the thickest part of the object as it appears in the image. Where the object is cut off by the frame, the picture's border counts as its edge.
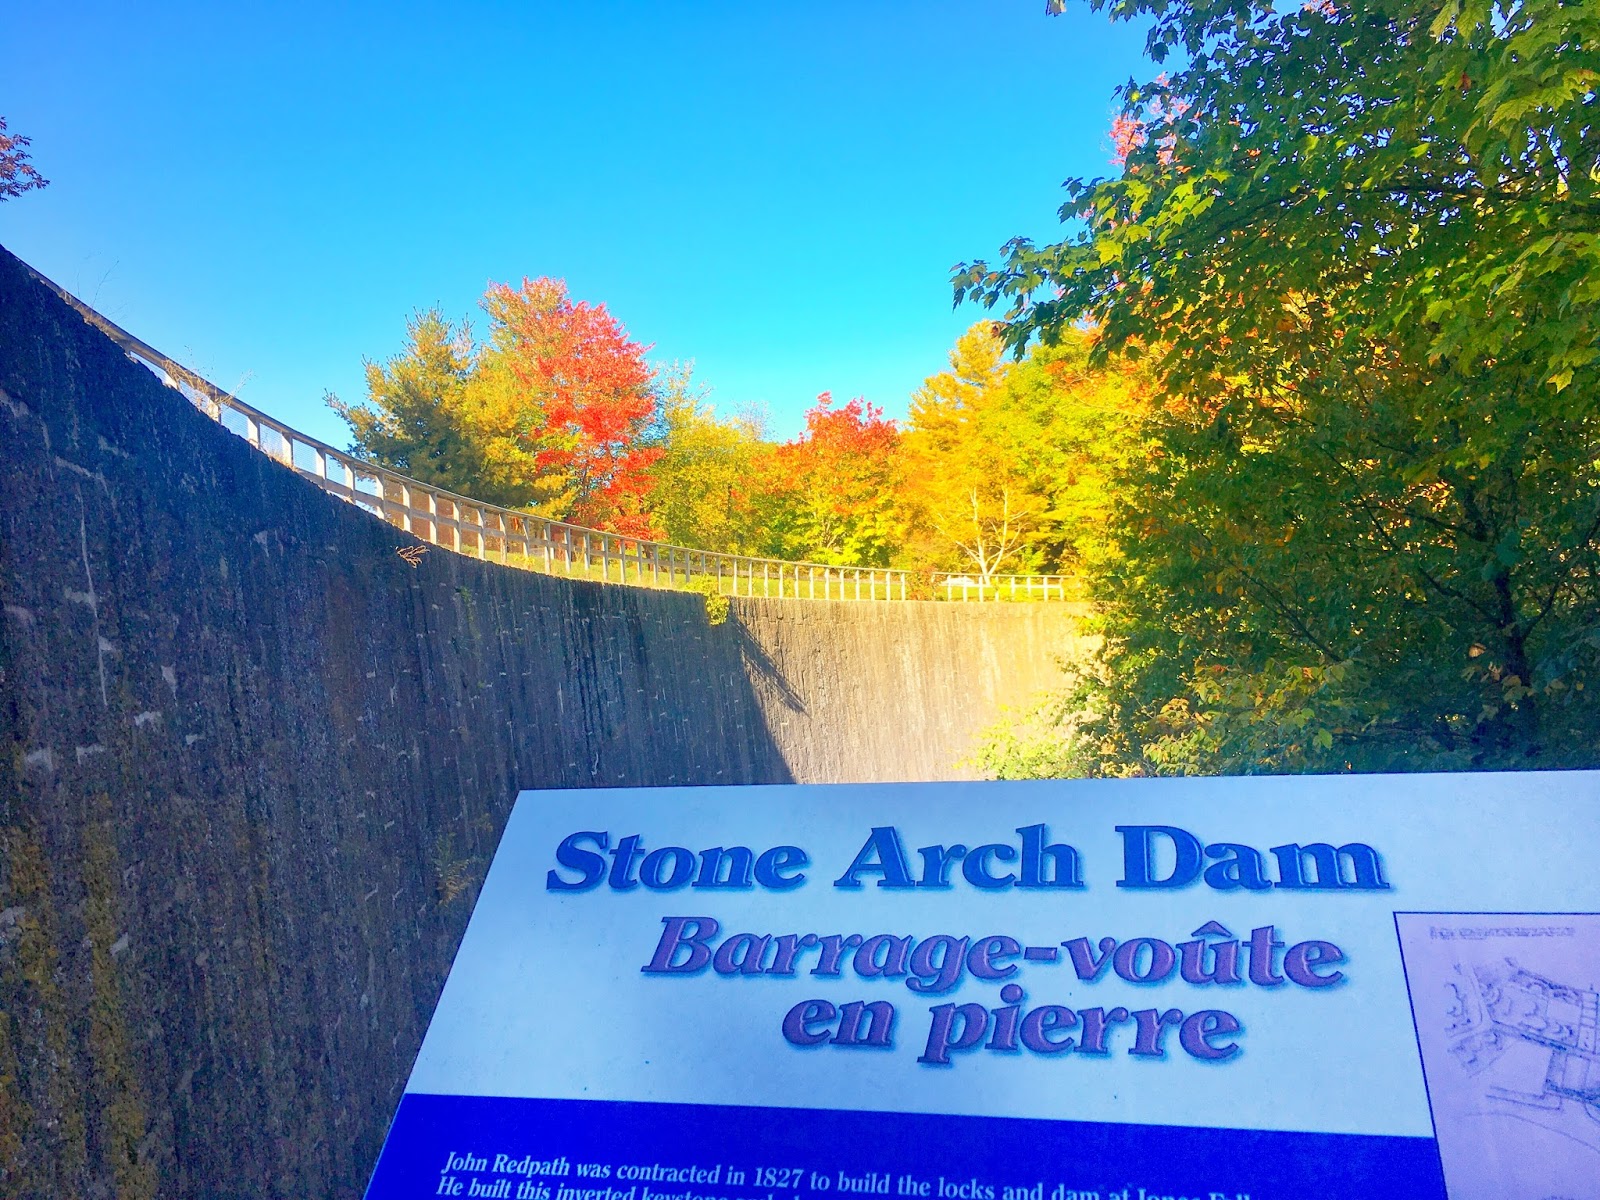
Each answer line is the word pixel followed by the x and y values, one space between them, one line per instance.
pixel 828 496
pixel 549 415
pixel 17 174
pixel 587 396
pixel 966 507
pixel 1360 244
pixel 1007 465
pixel 700 484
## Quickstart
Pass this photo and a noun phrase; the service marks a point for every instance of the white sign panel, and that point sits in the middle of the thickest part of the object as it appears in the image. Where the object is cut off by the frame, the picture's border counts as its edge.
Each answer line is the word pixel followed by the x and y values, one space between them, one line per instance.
pixel 1363 986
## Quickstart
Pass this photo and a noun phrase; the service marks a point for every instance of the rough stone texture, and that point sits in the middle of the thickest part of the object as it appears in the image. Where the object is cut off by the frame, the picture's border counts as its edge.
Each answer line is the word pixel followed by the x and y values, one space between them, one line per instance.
pixel 856 692
pixel 253 765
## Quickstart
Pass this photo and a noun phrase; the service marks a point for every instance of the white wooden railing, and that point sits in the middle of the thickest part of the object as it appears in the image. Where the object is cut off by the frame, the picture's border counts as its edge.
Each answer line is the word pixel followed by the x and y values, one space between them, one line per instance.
pixel 517 537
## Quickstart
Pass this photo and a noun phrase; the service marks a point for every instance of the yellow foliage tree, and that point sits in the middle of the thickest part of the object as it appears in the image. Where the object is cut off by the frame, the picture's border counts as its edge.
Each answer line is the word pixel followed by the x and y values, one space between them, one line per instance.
pixel 1007 465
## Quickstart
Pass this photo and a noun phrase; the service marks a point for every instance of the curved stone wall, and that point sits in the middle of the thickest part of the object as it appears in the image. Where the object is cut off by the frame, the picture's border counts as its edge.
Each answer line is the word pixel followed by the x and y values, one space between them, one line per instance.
pixel 253 765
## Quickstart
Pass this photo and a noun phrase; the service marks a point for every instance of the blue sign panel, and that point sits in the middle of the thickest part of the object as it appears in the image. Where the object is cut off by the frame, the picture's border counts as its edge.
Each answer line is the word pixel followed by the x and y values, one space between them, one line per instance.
pixel 1370 986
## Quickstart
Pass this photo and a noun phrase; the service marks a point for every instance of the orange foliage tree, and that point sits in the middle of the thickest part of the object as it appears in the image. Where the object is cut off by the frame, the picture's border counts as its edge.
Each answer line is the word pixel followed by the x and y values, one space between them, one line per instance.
pixel 828 496
pixel 591 394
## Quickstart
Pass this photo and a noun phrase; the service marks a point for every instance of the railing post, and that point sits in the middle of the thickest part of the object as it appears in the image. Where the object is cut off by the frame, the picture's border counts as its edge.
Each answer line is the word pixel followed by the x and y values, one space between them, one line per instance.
pixel 252 431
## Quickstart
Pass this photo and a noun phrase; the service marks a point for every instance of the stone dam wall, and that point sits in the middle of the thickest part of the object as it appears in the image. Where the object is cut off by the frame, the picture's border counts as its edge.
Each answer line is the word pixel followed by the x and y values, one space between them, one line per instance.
pixel 253 766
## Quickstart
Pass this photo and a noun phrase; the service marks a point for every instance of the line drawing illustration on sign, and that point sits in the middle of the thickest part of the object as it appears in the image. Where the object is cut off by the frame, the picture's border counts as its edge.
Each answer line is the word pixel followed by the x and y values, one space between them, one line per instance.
pixel 1507 1014
pixel 1492 1007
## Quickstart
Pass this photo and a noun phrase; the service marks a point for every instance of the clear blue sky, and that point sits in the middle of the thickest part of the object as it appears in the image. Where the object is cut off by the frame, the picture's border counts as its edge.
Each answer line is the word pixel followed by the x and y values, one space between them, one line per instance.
pixel 776 191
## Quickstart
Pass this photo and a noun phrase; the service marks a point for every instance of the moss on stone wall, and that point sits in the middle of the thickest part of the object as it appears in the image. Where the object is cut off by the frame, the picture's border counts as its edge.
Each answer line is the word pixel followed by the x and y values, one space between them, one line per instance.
pixel 42 1111
pixel 119 1098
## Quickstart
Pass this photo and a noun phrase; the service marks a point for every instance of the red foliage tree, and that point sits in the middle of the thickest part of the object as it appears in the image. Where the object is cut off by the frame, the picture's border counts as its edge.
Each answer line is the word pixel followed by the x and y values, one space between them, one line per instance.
pixel 829 494
pixel 17 174
pixel 594 398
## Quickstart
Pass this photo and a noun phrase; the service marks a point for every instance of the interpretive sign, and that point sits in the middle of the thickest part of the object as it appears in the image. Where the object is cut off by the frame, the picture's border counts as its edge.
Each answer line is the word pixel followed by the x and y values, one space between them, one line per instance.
pixel 1363 986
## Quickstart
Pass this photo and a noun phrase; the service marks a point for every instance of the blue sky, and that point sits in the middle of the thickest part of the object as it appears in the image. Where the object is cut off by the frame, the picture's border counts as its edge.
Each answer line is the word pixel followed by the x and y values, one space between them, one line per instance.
pixel 775 191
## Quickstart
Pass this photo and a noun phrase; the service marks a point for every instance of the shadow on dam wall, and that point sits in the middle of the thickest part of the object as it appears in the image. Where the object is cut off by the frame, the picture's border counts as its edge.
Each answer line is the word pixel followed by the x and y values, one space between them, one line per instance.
pixel 253 766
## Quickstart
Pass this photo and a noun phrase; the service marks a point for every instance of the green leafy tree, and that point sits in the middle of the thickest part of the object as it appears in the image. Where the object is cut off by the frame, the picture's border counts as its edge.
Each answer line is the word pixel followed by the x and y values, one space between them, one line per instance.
pixel 1071 425
pixel 1361 246
pixel 699 486
pixel 413 418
